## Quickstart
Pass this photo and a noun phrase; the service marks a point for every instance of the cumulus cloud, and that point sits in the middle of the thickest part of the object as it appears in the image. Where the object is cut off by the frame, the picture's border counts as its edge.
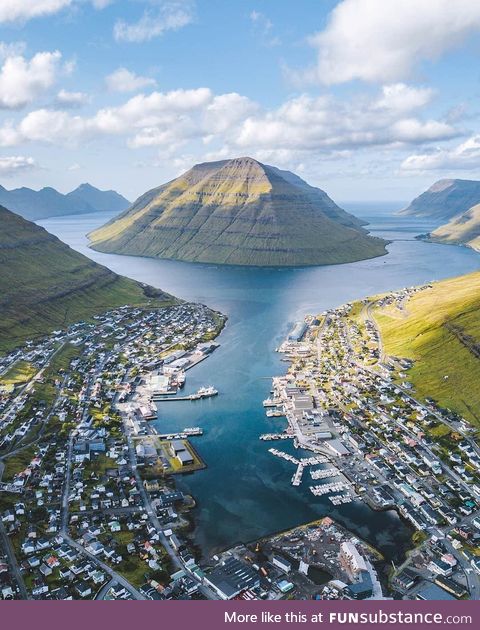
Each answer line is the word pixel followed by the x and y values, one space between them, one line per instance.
pixel 71 99
pixel 122 80
pixel 310 123
pixel 383 40
pixel 24 10
pixel 21 10
pixel 465 156
pixel 302 125
pixel 170 16
pixel 21 80
pixel 15 164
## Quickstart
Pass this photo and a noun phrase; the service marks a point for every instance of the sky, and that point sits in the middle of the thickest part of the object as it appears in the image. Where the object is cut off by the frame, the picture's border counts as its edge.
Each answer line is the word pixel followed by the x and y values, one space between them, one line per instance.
pixel 371 100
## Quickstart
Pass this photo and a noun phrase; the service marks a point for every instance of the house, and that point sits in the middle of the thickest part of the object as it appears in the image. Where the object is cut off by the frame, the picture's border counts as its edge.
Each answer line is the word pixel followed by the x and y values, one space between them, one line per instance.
pixel 83 589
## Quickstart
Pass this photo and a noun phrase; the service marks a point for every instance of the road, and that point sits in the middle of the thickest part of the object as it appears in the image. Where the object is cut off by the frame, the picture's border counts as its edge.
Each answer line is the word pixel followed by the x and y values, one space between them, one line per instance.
pixel 108 570
pixel 12 561
pixel 174 557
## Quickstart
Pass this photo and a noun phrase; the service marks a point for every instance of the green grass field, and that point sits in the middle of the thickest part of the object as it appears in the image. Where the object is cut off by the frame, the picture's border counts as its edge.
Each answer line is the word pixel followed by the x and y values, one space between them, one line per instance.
pixel 440 331
pixel 18 374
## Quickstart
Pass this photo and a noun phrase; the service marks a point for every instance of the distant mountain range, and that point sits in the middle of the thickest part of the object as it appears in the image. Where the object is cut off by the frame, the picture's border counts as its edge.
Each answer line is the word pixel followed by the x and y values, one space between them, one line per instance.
pixel 238 212
pixel 44 284
pixel 48 202
pixel 445 199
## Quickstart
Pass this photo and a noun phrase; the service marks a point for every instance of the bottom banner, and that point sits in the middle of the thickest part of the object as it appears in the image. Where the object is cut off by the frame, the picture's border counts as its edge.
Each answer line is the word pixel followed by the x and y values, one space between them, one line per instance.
pixel 223 615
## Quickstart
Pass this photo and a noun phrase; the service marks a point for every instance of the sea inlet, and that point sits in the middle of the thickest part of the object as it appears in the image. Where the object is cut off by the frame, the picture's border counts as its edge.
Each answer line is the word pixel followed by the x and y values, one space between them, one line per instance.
pixel 245 492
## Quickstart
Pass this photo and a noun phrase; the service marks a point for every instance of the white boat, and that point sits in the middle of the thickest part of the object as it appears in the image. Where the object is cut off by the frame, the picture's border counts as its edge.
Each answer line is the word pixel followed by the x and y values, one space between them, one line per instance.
pixel 205 392
pixel 268 402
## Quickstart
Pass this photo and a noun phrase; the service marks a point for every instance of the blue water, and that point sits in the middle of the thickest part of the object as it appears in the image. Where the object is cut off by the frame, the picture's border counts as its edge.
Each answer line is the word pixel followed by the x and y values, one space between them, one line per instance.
pixel 245 492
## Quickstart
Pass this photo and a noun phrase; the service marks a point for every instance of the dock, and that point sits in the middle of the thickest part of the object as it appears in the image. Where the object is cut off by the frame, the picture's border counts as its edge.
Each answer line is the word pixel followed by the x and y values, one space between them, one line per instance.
pixel 297 477
pixel 329 488
pixel 282 455
pixel 202 393
pixel 182 435
pixel 276 436
pixel 326 473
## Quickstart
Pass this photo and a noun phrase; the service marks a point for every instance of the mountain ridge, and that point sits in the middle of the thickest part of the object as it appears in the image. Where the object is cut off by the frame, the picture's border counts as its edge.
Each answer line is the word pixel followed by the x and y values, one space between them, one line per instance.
pixel 45 284
pixel 445 199
pixel 238 212
pixel 48 202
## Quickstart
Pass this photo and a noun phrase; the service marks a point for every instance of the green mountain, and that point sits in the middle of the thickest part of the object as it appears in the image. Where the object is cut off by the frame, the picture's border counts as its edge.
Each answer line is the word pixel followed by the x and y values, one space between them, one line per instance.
pixel 463 229
pixel 445 199
pixel 439 329
pixel 238 212
pixel 48 202
pixel 44 284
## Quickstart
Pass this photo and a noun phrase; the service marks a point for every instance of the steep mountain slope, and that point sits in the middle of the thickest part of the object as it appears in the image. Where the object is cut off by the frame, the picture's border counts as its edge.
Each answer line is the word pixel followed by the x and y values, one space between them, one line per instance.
pixel 238 212
pixel 445 199
pixel 439 328
pixel 48 202
pixel 463 229
pixel 44 284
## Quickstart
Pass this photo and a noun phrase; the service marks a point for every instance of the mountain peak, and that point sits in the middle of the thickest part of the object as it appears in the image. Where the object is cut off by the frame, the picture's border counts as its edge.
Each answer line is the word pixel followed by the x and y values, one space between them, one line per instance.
pixel 445 199
pixel 238 212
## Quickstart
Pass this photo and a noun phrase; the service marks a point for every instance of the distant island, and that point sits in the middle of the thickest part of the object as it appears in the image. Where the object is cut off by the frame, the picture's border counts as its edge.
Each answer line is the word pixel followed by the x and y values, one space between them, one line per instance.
pixel 48 202
pixel 238 212
pixel 445 199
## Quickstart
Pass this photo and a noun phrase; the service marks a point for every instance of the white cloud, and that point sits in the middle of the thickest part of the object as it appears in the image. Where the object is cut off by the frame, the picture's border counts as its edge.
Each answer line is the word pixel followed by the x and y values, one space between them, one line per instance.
pixel 16 163
pixel 403 98
pixel 24 10
pixel 11 49
pixel 21 10
pixel 312 123
pixel 465 156
pixel 22 80
pixel 263 27
pixel 71 99
pixel 171 16
pixel 300 127
pixel 384 40
pixel 122 80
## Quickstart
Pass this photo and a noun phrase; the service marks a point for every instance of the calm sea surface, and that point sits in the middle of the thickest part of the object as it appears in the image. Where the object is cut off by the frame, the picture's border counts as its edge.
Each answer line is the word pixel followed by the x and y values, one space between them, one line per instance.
pixel 245 492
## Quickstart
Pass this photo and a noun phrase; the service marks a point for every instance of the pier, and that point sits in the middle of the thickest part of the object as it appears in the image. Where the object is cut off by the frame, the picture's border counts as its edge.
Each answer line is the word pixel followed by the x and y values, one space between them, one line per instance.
pixel 182 435
pixel 297 477
pixel 282 455
pixel 275 436
pixel 326 473
pixel 329 488
pixel 203 392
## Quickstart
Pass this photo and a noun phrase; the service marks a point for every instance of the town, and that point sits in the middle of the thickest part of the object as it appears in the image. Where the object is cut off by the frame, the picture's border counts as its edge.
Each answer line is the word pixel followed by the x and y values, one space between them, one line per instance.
pixel 87 509
pixel 372 440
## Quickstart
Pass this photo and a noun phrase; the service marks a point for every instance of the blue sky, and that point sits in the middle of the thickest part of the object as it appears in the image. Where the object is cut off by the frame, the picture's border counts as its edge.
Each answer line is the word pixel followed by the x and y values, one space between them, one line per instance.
pixel 368 99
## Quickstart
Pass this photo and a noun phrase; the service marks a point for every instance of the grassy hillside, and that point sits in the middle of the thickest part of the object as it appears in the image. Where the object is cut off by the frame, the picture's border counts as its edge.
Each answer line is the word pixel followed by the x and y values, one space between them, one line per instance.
pixel 44 284
pixel 440 331
pixel 463 229
pixel 238 212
